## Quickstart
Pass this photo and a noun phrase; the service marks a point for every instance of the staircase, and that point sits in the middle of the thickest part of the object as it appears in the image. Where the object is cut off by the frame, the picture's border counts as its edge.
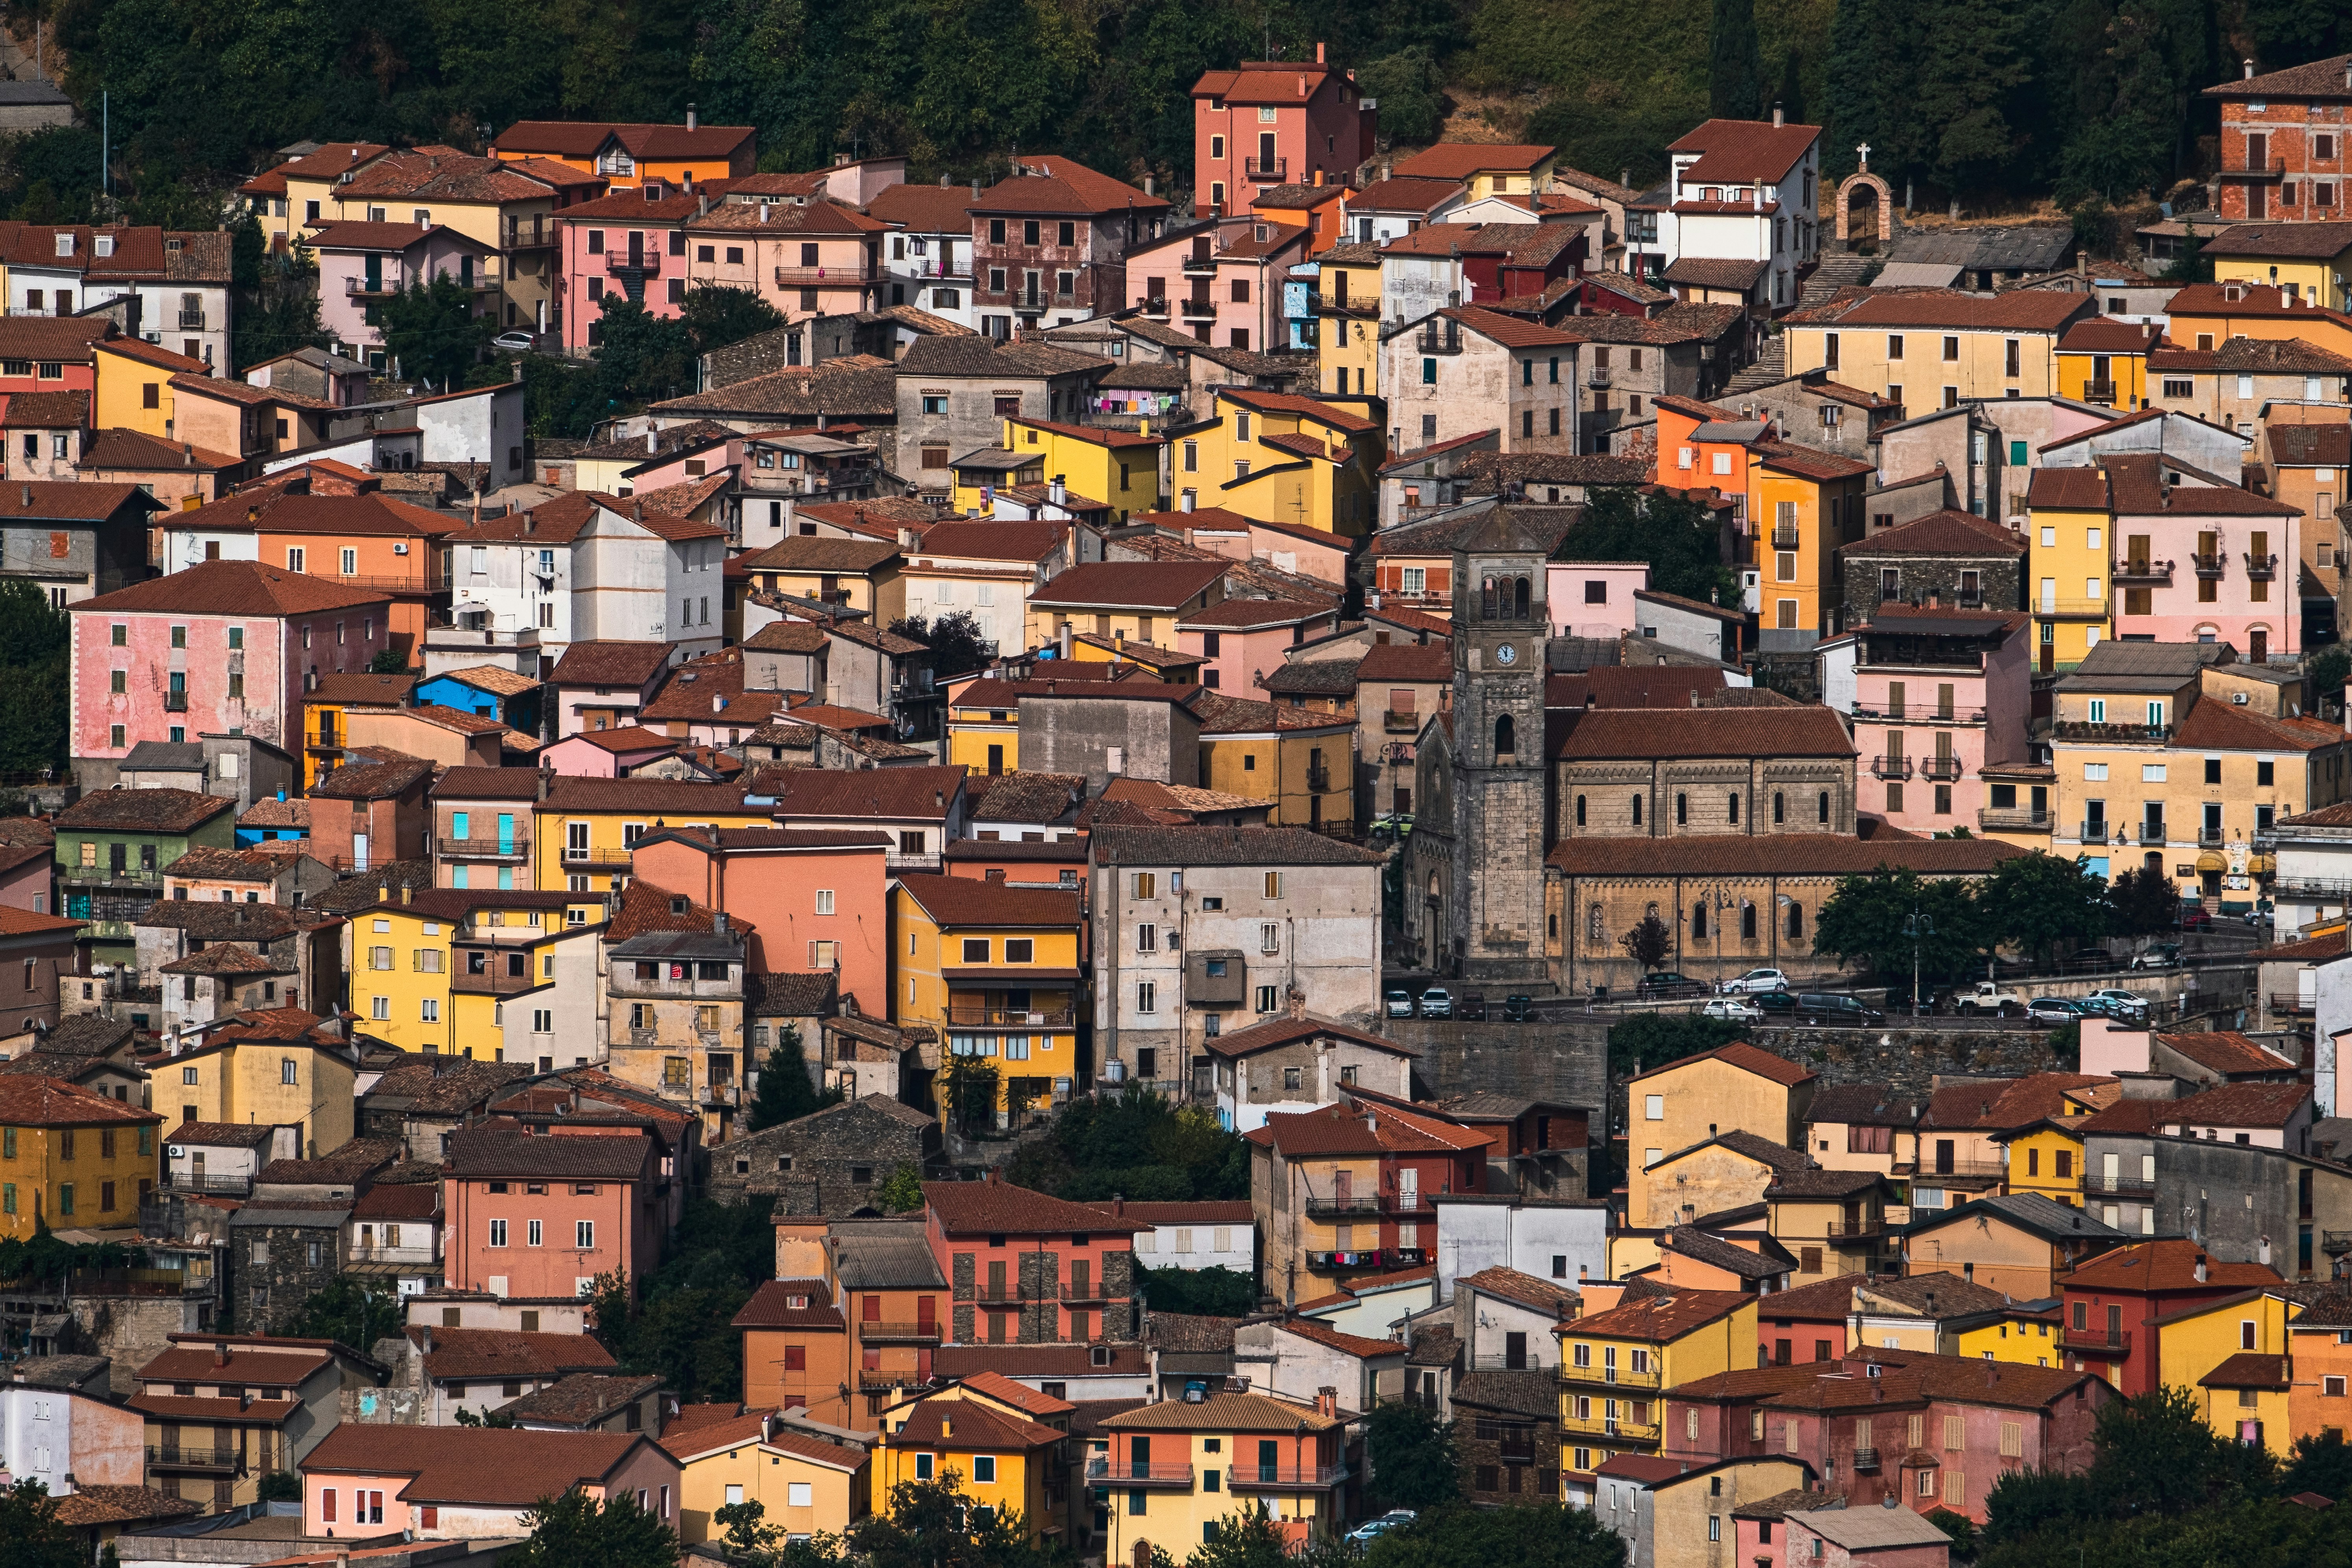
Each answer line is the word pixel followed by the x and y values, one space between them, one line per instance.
pixel 1771 364
pixel 1838 269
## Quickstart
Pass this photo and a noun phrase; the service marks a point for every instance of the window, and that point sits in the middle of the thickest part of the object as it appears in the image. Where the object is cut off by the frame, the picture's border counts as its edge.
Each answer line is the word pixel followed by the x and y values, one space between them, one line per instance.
pixel 583 1235
pixel 1267 998
pixel 1146 998
pixel 975 950
pixel 497 1233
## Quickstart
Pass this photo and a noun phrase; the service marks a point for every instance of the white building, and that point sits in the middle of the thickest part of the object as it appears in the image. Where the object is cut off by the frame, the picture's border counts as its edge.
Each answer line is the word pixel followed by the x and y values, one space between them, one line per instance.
pixel 2314 868
pixel 478 424
pixel 1740 191
pixel 927 257
pixel 178 284
pixel 1562 1240
pixel 1193 1234
pixel 1298 1358
pixel 59 1428
pixel 526 586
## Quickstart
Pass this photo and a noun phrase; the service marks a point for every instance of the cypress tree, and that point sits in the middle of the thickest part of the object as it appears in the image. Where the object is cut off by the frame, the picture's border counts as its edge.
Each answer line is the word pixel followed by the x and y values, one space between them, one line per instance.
pixel 1735 63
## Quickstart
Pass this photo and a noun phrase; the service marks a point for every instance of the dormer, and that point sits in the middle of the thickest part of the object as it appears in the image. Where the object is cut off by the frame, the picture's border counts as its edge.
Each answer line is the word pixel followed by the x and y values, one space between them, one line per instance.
pixel 65 243
pixel 103 243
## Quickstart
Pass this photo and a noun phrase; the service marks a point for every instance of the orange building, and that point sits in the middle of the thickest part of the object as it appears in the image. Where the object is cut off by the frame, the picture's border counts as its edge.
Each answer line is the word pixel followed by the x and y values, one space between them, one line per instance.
pixel 630 157
pixel 795 1353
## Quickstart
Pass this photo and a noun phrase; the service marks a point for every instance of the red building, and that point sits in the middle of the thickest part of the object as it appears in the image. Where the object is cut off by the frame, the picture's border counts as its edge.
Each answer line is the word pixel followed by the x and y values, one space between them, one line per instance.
pixel 50 353
pixel 370 813
pixel 1271 122
pixel 2282 151
pixel 2116 1304
pixel 540 1217
pixel 1054 238
pixel 1026 1268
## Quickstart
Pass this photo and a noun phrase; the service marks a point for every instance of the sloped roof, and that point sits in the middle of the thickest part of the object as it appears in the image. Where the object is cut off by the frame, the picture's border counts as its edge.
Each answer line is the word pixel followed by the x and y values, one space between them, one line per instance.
pixel 1742 1054
pixel 246 588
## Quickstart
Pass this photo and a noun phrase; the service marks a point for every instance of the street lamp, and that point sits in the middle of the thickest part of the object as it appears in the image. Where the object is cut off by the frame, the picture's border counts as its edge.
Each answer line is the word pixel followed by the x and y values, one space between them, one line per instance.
pixel 1918 928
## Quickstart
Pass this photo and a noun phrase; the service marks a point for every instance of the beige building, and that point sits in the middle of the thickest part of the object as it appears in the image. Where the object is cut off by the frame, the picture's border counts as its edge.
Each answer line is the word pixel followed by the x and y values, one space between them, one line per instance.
pixel 1671 773
pixel 1736 1089
pixel 1933 348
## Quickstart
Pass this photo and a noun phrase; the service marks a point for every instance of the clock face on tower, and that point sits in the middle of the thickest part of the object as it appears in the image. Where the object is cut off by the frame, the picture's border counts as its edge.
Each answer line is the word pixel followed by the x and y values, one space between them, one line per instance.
pixel 1507 653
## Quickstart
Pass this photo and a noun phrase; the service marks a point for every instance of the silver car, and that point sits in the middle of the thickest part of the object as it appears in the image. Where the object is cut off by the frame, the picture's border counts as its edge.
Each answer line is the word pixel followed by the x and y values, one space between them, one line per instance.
pixel 1733 1008
pixel 1755 982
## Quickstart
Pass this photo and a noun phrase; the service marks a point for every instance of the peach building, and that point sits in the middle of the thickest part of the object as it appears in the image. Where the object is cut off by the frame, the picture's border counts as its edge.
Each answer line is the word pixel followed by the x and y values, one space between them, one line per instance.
pixel 1939 695
pixel 542 1215
pixel 1244 639
pixel 814 898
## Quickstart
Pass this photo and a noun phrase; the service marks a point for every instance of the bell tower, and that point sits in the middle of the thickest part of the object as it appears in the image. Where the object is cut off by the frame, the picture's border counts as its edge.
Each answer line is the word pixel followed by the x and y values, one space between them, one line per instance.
pixel 1501 630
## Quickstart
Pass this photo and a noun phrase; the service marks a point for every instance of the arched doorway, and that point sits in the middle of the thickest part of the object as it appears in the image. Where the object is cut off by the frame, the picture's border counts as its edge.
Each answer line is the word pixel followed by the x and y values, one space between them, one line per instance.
pixel 1872 219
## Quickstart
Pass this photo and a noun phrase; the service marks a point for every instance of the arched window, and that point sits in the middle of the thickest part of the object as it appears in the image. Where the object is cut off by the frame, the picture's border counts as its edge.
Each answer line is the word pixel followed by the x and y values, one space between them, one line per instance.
pixel 1519 600
pixel 1487 599
pixel 1698 922
pixel 1825 805
pixel 1748 920
pixel 1734 811
pixel 1682 811
pixel 1637 811
pixel 1780 808
pixel 1796 918
pixel 1580 813
pixel 1594 932
pixel 1506 736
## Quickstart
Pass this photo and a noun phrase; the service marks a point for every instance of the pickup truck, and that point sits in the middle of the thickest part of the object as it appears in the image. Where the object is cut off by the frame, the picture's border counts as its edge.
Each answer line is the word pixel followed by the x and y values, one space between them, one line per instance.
pixel 1987 996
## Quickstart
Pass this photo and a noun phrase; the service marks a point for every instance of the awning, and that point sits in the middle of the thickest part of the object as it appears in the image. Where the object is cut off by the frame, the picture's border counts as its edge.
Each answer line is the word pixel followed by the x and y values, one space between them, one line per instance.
pixel 2263 865
pixel 2212 860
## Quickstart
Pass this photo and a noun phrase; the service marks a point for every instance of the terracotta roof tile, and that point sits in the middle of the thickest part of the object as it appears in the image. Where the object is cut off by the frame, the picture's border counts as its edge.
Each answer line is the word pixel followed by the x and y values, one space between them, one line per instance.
pixel 965 1209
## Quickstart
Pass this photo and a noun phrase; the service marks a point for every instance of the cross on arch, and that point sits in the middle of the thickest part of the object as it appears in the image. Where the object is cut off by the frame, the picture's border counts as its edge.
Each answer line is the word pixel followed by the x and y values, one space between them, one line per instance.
pixel 1864 148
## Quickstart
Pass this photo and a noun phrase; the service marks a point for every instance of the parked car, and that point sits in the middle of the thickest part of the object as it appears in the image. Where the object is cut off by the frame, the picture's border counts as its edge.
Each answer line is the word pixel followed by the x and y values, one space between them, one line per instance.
pixel 1842 1012
pixel 1736 1008
pixel 2261 915
pixel 1371 1529
pixel 1399 1003
pixel 2196 917
pixel 2055 1010
pixel 1780 1004
pixel 1755 981
pixel 1472 1006
pixel 1518 1009
pixel 2158 955
pixel 1989 996
pixel 516 343
pixel 2115 1003
pixel 1665 982
pixel 1436 1002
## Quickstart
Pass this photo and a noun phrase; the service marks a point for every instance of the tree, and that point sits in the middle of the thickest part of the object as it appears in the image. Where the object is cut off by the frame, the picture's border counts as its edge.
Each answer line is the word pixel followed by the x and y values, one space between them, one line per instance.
pixel 1869 919
pixel 715 315
pixel 2158 1454
pixel 433 331
pixel 350 1313
pixel 2329 668
pixel 1219 1292
pixel 1138 1145
pixel 576 1530
pixel 1734 62
pixel 1413 1461
pixel 1410 89
pixel 31 1534
pixel 641 357
pixel 957 647
pixel 785 1092
pixel 676 1327
pixel 2144 900
pixel 1680 540
pixel 278 1486
pixel 1648 941
pixel 484 1418
pixel 2322 1463
pixel 1640 1041
pixel 936 1524
pixel 1251 1538
pixel 1540 1535
pixel 2039 901
pixel 2190 263
pixel 1959 1527
pixel 967 1088
pixel 902 1190
pixel 390 662
pixel 33 678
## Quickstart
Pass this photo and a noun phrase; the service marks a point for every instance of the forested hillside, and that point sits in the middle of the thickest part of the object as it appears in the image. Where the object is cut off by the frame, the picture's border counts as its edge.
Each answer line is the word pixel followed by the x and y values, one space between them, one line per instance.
pixel 1966 97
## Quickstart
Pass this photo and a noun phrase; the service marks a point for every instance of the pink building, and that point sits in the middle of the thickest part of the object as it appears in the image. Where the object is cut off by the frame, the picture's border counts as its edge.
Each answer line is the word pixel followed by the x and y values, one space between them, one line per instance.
pixel 607 753
pixel 1271 122
pixel 818 259
pixel 812 898
pixel 1055 237
pixel 363 264
pixel 1866 1538
pixel 624 243
pixel 992 1237
pixel 1286 547
pixel 466 1483
pixel 1246 639
pixel 225 647
pixel 543 1215
pixel 25 873
pixel 1939 695
pixel 2199 560
pixel 1594 598
pixel 1223 285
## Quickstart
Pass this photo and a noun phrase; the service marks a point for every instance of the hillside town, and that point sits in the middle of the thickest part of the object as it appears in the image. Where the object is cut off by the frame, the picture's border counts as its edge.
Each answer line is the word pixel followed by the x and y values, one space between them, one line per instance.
pixel 1033 1074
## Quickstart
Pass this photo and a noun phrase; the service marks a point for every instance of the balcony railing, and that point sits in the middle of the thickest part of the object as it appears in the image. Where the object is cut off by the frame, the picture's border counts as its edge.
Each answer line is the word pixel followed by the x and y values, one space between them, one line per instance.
pixel 1093 1290
pixel 2118 1185
pixel 1449 341
pixel 1599 375
pixel 2293 1006
pixel 1865 1458
pixel 2335 1241
pixel 190 1181
pixel 355 285
pixel 1940 767
pixel 2086 730
pixel 1785 536
pixel 1890 767
pixel 1199 310
pixel 1853 1229
pixel 2099 391
pixel 1138 1473
pixel 135 876
pixel 175 702
pixel 2096 1342
pixel 1325 1204
pixel 1318 779
pixel 1971 1170
pixel 1251 1477
pixel 173 1456
pixel 1012 1017
pixel 1611 1427
pixel 829 277
pixel 192 320
pixel 483 848
pixel 1199 264
pixel 525 234
pixel 1381 1257
pixel 1917 713
pixel 1155 304
pixel 878 1382
pixel 2141 573
pixel 596 855
pixel 2020 819
pixel 2209 565
pixel 916 1333
pixel 648 262
pixel 1608 1376
pixel 2261 566
pixel 1396 723
pixel 1265 170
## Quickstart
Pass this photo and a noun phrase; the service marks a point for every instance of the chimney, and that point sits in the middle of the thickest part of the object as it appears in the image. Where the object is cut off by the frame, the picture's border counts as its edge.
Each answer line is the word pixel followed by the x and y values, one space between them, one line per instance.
pixel 2249 71
pixel 1056 492
pixel 1319 53
pixel 653 443
pixel 976 187
pixel 1296 1001
pixel 1118 1205
pixel 1186 501
pixel 1062 636
pixel 220 1351
pixel 2201 1268
pixel 718 921
pixel 1147 179
pixel 546 776
pixel 1779 117
pixel 2082 262
pixel 408 893
pixel 991 1178
pixel 693 119
pixel 1625 178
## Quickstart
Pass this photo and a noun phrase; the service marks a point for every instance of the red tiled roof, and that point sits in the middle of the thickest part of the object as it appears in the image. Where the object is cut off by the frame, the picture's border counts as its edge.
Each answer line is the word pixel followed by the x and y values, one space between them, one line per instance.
pixel 28 1100
pixel 1659 1319
pixel 1744 1056
pixel 2237 1105
pixel 967 1208
pixel 770 1306
pixel 1458 161
pixel 488 1466
pixel 2171 1265
pixel 1735 150
pixel 246 588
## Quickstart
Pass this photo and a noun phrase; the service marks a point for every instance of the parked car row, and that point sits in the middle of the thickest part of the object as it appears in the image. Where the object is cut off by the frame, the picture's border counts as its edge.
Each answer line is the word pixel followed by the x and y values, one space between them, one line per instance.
pixel 1439 1002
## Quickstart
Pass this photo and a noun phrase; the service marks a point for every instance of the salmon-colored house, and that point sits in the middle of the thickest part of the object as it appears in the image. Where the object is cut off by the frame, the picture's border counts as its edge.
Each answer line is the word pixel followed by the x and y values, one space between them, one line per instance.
pixel 814 898
pixel 1015 1287
pixel 460 1483
pixel 542 1215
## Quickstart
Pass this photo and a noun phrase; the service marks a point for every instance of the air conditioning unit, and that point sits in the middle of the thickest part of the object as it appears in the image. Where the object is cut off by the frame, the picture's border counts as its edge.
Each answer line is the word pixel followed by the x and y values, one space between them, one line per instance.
pixel 2238 699
pixel 175 1151
pixel 399 547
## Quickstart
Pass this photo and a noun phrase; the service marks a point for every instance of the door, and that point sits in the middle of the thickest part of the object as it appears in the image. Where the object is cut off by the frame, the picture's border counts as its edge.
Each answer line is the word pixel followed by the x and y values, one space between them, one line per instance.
pixel 636 247
pixel 1139 1458
pixel 995 761
pixel 1514 1352
pixel 575 841
pixel 1269 1458
pixel 2110 1171
pixel 1081 1279
pixel 505 833
pixel 2114 1325
pixel 1343 1185
pixel 1264 154
pixel 1408 1189
pixel 1943 1156
pixel 2258 645
pixel 359 851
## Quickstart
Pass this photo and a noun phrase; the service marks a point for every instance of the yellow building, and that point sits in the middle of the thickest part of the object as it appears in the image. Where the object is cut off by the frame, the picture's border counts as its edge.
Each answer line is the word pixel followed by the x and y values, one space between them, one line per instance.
pixel 1301 762
pixel 2308 261
pixel 1615 1366
pixel 71 1157
pixel 1734 1089
pixel 2021 1335
pixel 1137 601
pixel 269 1069
pixel 983 727
pixel 2233 1353
pixel 582 828
pixel 1176 1471
pixel 1276 456
pixel 326 726
pixel 850 573
pixel 995 970
pixel 1347 322
pixel 432 969
pixel 999 1460
pixel 1804 505
pixel 1488 170
pixel 2047 1157
pixel 134 385
pixel 804 1485
pixel 1929 349
pixel 1118 468
pixel 2105 361
pixel 2068 589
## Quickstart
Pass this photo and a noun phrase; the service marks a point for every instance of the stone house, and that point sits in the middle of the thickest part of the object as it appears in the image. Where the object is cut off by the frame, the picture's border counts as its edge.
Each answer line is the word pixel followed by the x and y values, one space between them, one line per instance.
pixel 954 394
pixel 1449 373
pixel 287 1240
pixel 1664 774
pixel 829 1162
pixel 1827 415
pixel 1289 1062
pixel 1506 1429
pixel 1629 362
pixel 1030 1268
pixel 426 1099
pixel 1948 558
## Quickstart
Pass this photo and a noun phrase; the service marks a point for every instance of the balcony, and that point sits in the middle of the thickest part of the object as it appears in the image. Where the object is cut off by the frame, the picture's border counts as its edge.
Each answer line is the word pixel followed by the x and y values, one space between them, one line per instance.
pixel 585 856
pixel 2262 567
pixel 112 875
pixel 1504 1361
pixel 1199 311
pixel 2210 837
pixel 192 320
pixel 1785 536
pixel 1865 1458
pixel 1941 767
pixel 2086 730
pixel 645 262
pixel 1396 723
pixel 2150 835
pixel 528 233
pixel 1608 1376
pixel 1318 778
pixel 1599 375
pixel 1890 767
pixel 1853 1230
pixel 1133 1473
pixel 481 848
pixel 2141 574
pixel 1610 1427
pixel 721 1094
pixel 173 1456
pixel 196 1181
pixel 378 285
pixel 1200 264
pixel 2209 565
pixel 1434 343
pixel 1383 1258
pixel 1963 1170
pixel 2335 1241
pixel 175 702
pixel 324 739
pixel 2293 1006
pixel 1322 1205
pixel 2096 1342
pixel 1265 170
pixel 2019 819
pixel 882 1381
pixel 2099 391
pixel 1913 714
pixel 1012 1017
pixel 2118 1185
pixel 821 277
pixel 894 1332
pixel 1087 1294
pixel 1258 1478
pixel 1155 305
pixel 2051 607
